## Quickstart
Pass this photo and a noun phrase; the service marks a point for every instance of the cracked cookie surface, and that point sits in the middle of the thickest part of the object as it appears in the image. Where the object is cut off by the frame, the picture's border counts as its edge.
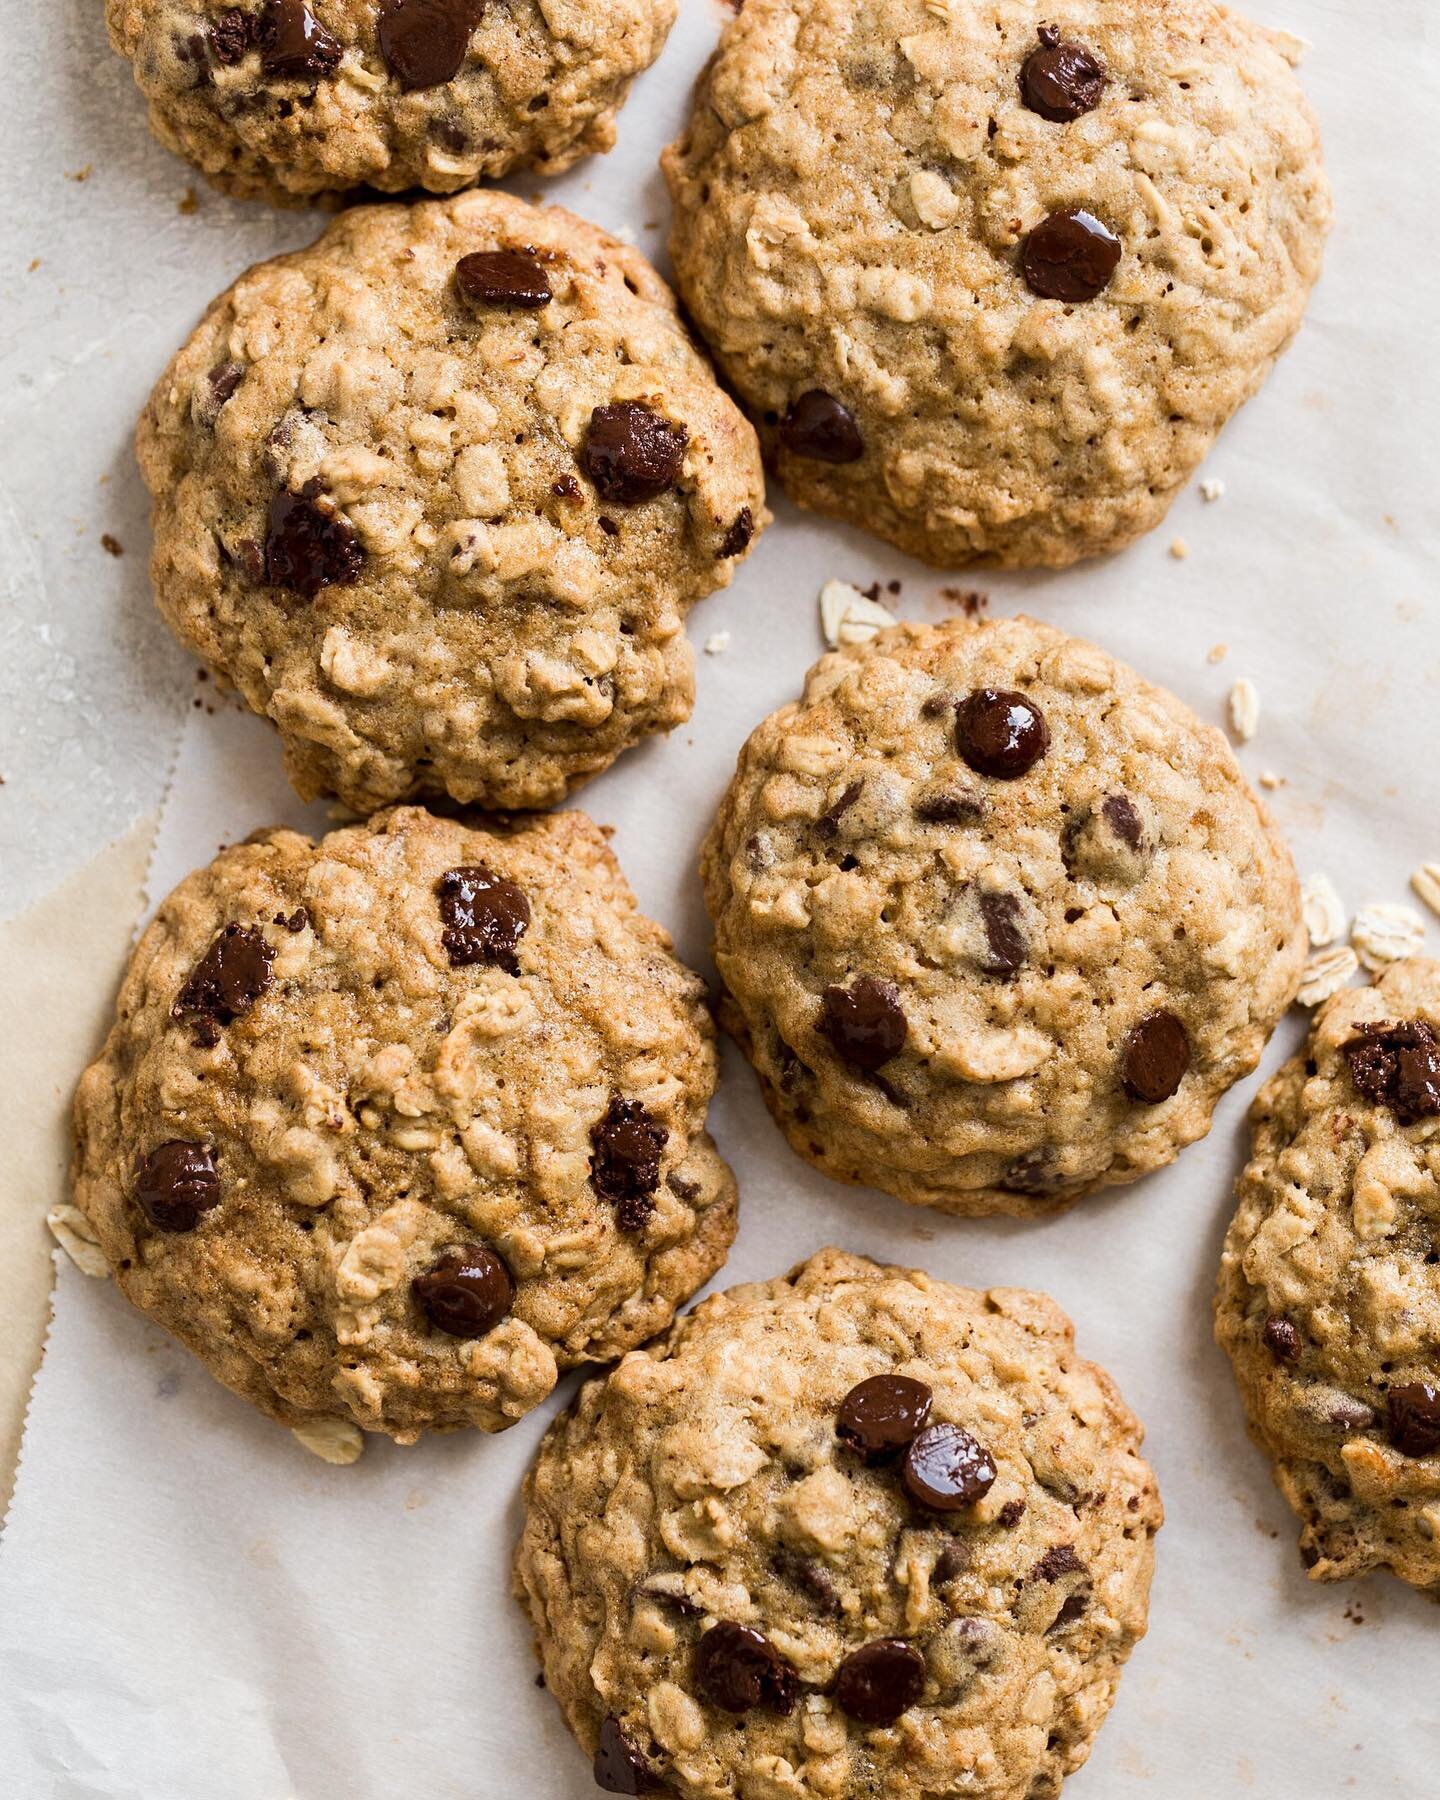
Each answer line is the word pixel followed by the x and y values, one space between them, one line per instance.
pixel 395 1126
pixel 990 290
pixel 436 494
pixel 739 1585
pixel 288 99
pixel 1329 1295
pixel 997 921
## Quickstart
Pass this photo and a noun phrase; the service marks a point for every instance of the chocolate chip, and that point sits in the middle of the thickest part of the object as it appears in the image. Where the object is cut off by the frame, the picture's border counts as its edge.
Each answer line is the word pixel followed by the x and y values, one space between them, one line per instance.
pixel 222 382
pixel 511 279
pixel 1000 733
pixel 1282 1340
pixel 952 1561
pixel 625 1168
pixel 1058 1560
pixel 631 453
pixel 228 979
pixel 879 1416
pixel 232 34
pixel 1033 1173
pixel 293 43
pixel 175 1184
pixel 1120 814
pixel 1071 1608
pixel 827 825
pixel 485 917
pixel 1011 1513
pixel 1398 1066
pixel 737 539
pixel 820 427
pixel 879 1681
pixel 1412 1418
pixel 1061 80
pixel 1070 256
pixel 739 1669
pixel 1155 1056
pixel 864 1022
pixel 298 920
pixel 424 41
pixel 619 1766
pixel 309 544
pixel 566 488
pixel 946 1469
pixel 466 1292
pixel 810 1576
pixel 950 806
pixel 1006 944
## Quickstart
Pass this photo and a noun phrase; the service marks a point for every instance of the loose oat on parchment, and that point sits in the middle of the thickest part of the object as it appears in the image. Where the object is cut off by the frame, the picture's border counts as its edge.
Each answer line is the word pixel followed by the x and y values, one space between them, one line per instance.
pixel 849 617
pixel 1243 709
pixel 336 1441
pixel 1323 909
pixel 1426 883
pixel 1326 972
pixel 1386 932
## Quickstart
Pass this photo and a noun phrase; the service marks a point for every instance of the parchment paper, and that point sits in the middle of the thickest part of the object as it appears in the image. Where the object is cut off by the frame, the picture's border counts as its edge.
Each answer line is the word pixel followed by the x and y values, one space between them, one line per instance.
pixel 191 1608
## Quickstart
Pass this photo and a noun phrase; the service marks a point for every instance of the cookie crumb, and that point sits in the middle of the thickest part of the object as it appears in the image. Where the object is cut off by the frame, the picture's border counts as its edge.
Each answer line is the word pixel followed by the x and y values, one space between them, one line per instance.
pixel 849 617
pixel 336 1441
pixel 970 600
pixel 1179 549
pixel 1217 653
pixel 1244 709
pixel 111 545
pixel 1212 490
pixel 1269 780
pixel 75 1235
pixel 1385 932
pixel 1426 883
pixel 1323 910
pixel 718 644
pixel 1325 973
pixel 189 202
pixel 79 174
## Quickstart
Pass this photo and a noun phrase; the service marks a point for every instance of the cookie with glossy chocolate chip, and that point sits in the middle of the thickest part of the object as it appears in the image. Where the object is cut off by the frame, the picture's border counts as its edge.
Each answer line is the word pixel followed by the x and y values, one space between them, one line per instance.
pixel 1329 1294
pixel 396 1126
pixel 855 1520
pixel 436 496
pixel 998 921
pixel 990 283
pixel 290 99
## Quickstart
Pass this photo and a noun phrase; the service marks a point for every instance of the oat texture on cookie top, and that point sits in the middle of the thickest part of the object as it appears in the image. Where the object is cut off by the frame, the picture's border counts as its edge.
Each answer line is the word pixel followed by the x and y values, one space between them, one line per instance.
pixel 991 282
pixel 997 921
pixel 394 1127
pixel 436 495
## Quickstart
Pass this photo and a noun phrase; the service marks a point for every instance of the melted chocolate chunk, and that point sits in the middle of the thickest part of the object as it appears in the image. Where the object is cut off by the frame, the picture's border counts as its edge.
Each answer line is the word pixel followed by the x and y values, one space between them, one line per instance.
pixel 1000 733
pixel 485 917
pixel 631 453
pixel 1398 1066
pixel 625 1168
pixel 231 36
pixel 619 1766
pixel 1282 1340
pixel 424 41
pixel 879 1416
pixel 1058 1560
pixel 1119 813
pixel 293 43
pixel 1011 1513
pixel 946 1469
pixel 1062 79
pixel 1154 1058
pixel 950 806
pixel 1412 1418
pixel 309 544
pixel 736 540
pixel 1070 256
pixel 227 981
pixel 820 427
pixel 1005 942
pixel 739 1669
pixel 879 1681
pixel 864 1022
pixel 465 1292
pixel 175 1184
pixel 510 279
pixel 828 824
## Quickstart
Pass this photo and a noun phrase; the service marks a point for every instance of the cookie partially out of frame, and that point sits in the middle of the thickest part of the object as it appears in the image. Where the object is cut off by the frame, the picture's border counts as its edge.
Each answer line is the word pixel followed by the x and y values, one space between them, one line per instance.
pixel 998 921
pixel 393 1127
pixel 990 277
pixel 1329 1295
pixel 289 99
pixel 854 1531
pixel 436 495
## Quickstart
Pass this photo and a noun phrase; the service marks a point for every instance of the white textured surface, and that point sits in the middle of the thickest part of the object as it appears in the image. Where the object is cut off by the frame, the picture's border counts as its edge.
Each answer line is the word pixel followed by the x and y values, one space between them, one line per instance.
pixel 193 1609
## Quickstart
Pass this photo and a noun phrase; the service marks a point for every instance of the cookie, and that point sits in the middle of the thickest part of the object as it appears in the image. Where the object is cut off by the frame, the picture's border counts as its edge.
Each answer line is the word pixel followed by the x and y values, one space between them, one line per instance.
pixel 1329 1295
pixel 288 99
pixel 998 921
pixel 994 284
pixel 394 1127
pixel 436 494
pixel 850 1532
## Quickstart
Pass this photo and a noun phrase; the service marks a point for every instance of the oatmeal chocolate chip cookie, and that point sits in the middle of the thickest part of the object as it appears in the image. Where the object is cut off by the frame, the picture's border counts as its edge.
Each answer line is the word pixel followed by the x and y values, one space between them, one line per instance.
pixel 395 1126
pixel 853 1531
pixel 1329 1295
pixel 992 289
pixel 287 99
pixel 436 494
pixel 998 921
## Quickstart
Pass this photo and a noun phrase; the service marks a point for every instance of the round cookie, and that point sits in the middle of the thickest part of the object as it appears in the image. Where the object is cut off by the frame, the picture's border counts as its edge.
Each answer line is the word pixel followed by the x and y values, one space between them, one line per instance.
pixel 850 1532
pixel 998 922
pixel 1329 1295
pixel 436 494
pixel 287 99
pixel 993 291
pixel 395 1126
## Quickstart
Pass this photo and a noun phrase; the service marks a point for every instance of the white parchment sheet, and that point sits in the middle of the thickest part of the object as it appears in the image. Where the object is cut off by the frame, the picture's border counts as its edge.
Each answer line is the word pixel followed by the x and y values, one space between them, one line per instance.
pixel 191 1608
